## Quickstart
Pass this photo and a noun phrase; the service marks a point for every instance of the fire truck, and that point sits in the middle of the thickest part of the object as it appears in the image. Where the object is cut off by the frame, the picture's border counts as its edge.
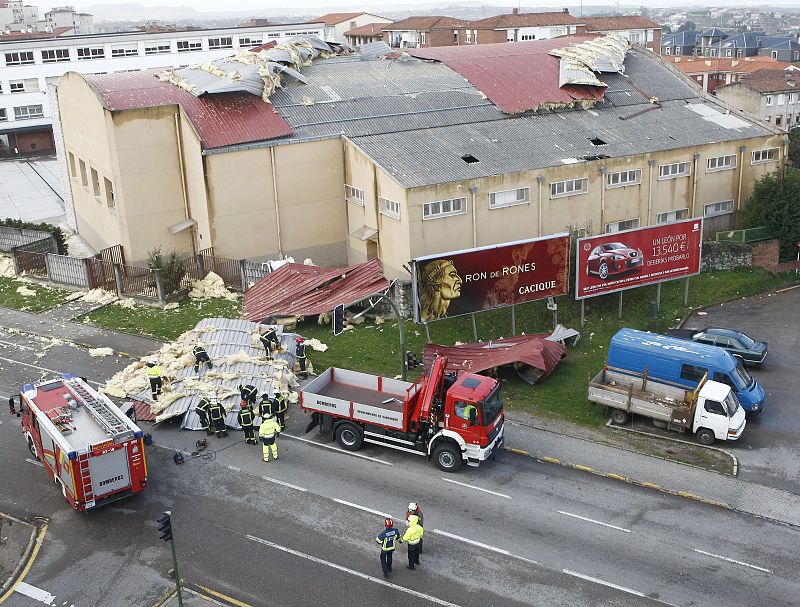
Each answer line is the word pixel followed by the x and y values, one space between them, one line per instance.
pixel 88 446
pixel 451 419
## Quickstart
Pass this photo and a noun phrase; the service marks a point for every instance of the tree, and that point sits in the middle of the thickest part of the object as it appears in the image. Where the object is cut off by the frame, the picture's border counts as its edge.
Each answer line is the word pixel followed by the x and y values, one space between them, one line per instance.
pixel 794 147
pixel 172 268
pixel 775 204
pixel 688 26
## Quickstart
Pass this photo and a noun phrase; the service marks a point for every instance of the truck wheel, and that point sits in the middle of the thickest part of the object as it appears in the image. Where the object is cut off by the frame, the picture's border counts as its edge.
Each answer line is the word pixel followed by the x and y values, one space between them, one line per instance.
pixel 603 270
pixel 619 417
pixel 448 458
pixel 705 436
pixel 32 448
pixel 349 437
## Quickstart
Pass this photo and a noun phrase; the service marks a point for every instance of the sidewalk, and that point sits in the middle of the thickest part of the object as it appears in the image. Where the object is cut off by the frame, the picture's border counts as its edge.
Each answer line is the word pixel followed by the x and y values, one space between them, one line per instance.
pixel 654 473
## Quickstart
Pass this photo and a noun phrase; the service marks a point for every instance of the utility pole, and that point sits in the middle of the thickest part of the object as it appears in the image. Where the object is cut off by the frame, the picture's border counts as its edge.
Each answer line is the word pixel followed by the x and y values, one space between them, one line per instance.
pixel 165 533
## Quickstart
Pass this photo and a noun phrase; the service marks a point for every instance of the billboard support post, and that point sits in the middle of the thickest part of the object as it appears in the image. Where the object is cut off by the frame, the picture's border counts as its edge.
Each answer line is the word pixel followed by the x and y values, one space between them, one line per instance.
pixel 474 327
pixel 658 297
pixel 583 317
pixel 427 333
pixel 513 319
pixel 620 305
pixel 686 293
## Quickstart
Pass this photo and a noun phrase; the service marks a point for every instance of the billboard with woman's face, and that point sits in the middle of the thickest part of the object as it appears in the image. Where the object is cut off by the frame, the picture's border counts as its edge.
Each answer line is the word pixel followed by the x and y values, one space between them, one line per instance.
pixel 462 282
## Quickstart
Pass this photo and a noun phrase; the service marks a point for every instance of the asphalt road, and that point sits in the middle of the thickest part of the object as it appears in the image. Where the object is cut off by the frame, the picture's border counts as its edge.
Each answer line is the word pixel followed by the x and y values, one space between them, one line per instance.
pixel 301 530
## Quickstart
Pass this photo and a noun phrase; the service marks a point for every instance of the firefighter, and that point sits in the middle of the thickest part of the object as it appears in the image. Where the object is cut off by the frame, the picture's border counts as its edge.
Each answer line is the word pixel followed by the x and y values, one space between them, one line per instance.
pixel 201 409
pixel 270 341
pixel 154 375
pixel 300 355
pixel 266 406
pixel 217 413
pixel 248 393
pixel 200 358
pixel 412 537
pixel 280 404
pixel 388 540
pixel 414 509
pixel 268 432
pixel 246 419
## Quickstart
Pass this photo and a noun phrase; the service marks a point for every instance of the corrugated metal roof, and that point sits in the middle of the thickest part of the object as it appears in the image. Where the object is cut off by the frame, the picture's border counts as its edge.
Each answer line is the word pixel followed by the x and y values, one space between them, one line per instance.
pixel 219 120
pixel 515 77
pixel 306 290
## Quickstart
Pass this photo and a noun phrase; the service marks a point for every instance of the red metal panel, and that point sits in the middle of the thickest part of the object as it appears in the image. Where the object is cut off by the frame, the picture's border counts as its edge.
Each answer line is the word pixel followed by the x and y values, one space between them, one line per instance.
pixel 220 120
pixel 515 77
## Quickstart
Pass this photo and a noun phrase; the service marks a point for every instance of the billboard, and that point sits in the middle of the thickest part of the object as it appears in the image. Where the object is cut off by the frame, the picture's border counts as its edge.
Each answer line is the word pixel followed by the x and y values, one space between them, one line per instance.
pixel 633 258
pixel 462 282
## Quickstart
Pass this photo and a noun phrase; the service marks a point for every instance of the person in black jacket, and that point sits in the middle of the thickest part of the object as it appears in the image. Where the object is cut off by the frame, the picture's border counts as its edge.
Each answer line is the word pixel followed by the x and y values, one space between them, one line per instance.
pixel 246 419
pixel 270 341
pixel 201 409
pixel 388 540
pixel 200 358
pixel 300 355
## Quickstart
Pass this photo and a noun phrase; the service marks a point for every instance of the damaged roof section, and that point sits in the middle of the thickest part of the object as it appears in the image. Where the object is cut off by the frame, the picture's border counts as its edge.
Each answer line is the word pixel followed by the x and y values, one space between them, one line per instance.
pixel 257 71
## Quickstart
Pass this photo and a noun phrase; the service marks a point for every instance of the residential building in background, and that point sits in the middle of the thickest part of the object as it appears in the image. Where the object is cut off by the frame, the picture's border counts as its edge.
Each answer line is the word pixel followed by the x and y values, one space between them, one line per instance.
pixel 30 63
pixel 372 32
pixel 66 16
pixel 337 24
pixel 18 17
pixel 771 94
pixel 683 44
pixel 422 32
pixel 518 26
pixel 635 29
pixel 716 43
pixel 712 73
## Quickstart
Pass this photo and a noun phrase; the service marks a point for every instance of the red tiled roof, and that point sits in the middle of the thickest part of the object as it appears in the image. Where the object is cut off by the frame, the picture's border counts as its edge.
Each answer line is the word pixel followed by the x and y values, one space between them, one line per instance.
pixel 297 289
pixel 336 18
pixel 602 24
pixel 425 23
pixel 57 32
pixel 370 29
pixel 772 81
pixel 515 77
pixel 220 120
pixel 526 20
pixel 701 65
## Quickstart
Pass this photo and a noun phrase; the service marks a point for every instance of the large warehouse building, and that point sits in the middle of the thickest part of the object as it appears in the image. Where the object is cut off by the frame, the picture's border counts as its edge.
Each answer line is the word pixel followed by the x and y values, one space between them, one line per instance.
pixel 402 156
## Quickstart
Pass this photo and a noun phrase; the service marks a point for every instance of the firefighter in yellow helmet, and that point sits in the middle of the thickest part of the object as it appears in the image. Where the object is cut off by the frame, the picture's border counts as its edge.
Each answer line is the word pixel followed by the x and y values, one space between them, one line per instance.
pixel 154 375
pixel 268 433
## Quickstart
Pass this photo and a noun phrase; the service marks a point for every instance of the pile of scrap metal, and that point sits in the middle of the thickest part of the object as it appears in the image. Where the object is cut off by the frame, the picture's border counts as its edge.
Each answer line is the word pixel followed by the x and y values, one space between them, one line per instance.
pixel 533 357
pixel 237 357
pixel 257 71
pixel 579 62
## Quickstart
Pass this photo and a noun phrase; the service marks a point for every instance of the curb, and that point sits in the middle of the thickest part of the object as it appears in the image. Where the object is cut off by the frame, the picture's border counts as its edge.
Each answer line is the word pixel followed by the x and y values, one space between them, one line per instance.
pixel 208 595
pixel 38 531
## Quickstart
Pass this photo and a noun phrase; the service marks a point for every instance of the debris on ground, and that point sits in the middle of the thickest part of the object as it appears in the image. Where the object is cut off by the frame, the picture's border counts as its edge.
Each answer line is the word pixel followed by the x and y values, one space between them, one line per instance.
pixel 324 319
pixel 100 352
pixel 379 320
pixel 316 345
pixel 99 296
pixel 211 287
pixel 76 245
pixel 6 266
pixel 126 302
pixel 172 306
pixel 356 320
pixel 25 291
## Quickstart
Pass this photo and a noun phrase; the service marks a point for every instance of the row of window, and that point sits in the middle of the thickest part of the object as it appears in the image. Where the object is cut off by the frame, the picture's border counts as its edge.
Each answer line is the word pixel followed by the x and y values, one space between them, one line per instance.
pixel 710 210
pixel 23 112
pixel 781 99
pixel 89 178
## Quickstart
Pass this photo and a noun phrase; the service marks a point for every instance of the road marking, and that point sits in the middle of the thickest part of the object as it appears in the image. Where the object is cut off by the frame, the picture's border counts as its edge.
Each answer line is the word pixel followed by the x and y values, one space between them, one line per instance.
pixel 363 576
pixel 305 440
pixel 38 368
pixel 591 520
pixel 284 483
pixel 449 480
pixel 725 558
pixel 364 508
pixel 39 539
pixel 453 536
pixel 34 462
pixel 16 345
pixel 35 593
pixel 224 597
pixel 603 582
pixel 234 468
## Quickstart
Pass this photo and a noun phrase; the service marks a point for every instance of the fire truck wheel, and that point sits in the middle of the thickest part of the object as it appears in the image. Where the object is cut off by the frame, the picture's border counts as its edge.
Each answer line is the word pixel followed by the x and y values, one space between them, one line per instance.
pixel 448 458
pixel 349 437
pixel 32 448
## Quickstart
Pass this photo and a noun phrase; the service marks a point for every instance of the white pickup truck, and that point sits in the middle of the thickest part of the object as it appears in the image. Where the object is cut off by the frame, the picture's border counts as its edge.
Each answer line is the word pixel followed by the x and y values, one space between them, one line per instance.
pixel 710 412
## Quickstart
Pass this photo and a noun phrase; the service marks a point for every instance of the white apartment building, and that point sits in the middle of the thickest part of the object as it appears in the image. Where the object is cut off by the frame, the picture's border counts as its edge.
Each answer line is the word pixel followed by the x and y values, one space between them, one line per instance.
pixel 16 16
pixel 28 66
pixel 65 16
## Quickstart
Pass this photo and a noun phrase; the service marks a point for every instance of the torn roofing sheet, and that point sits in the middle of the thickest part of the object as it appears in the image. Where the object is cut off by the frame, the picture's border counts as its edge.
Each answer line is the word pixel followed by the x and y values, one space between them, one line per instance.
pixel 516 77
pixel 532 350
pixel 297 289
pixel 606 54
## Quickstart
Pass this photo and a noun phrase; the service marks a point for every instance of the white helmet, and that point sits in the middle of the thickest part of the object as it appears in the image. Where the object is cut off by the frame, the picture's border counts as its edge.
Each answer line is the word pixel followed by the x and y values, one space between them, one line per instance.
pixel 412 507
pixel 152 360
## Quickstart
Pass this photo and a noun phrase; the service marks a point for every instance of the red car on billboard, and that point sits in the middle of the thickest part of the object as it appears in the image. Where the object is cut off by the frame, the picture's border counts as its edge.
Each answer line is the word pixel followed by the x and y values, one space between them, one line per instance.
pixel 613 258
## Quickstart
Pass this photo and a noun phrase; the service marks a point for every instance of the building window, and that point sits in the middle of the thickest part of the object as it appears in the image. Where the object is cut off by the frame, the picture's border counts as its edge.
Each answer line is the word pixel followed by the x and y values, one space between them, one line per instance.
pixel 570 187
pixel 721 163
pixel 508 198
pixel 444 208
pixel 623 178
pixel 3 114
pixel 781 98
pixel 768 155
pixel 87 52
pixel 672 216
pixel 16 86
pixel 729 53
pixel 774 54
pixel 161 48
pixel 111 202
pixel 423 37
pixel 619 226
pixel 19 58
pixel 249 40
pixel 636 37
pixel 72 170
pixel 469 36
pixel 55 55
pixel 528 37
pixel 27 112
pixel 668 51
pixel 220 43
pixel 769 100
pixel 184 46
pixel 718 208
pixel 84 175
pixel 677 169
pixel 54 80
pixel 95 184
pixel 390 208
pixel 125 50
pixel 354 195
pixel 778 120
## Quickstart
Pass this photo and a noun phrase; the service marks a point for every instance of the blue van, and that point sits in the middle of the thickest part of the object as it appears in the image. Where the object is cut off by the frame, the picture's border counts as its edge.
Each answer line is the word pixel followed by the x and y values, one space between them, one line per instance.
pixel 683 363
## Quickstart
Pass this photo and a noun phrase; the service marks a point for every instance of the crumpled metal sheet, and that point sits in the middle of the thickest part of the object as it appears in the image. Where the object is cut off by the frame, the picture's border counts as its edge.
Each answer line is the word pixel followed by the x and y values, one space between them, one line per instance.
pixel 374 50
pixel 580 61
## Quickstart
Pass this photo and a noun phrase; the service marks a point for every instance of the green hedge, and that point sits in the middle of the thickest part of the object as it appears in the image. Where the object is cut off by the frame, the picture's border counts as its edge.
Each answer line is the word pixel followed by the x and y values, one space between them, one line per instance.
pixel 58 234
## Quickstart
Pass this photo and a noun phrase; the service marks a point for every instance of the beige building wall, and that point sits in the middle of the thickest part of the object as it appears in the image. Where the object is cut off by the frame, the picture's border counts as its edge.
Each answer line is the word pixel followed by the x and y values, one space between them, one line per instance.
pixel 195 182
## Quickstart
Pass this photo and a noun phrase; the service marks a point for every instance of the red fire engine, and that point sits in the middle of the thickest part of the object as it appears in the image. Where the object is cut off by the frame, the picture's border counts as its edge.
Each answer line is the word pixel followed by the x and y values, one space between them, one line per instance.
pixel 88 446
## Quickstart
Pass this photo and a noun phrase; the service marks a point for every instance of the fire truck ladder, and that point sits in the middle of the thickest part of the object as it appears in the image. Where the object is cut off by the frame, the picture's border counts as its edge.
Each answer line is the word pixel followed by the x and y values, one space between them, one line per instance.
pixel 86 479
pixel 98 409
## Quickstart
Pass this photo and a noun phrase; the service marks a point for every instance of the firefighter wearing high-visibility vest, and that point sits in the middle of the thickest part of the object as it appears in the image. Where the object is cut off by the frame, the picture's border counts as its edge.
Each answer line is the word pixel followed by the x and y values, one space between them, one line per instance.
pixel 281 403
pixel 268 433
pixel 154 375
pixel 217 413
pixel 270 341
pixel 248 393
pixel 266 406
pixel 246 419
pixel 201 409
pixel 300 355
pixel 200 358
pixel 412 537
pixel 388 540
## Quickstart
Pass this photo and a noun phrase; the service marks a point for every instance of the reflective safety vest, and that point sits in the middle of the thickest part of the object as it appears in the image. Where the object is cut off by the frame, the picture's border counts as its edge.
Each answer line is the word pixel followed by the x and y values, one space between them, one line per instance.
pixel 197 350
pixel 269 428
pixel 203 405
pixel 246 417
pixel 217 411
pixel 265 407
pixel 270 336
pixel 300 351
pixel 154 371
pixel 415 531
pixel 388 539
pixel 281 403
pixel 248 392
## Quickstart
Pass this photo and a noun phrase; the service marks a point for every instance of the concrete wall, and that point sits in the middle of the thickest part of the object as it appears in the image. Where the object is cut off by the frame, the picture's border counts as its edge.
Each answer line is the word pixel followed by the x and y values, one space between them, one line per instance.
pixel 741 97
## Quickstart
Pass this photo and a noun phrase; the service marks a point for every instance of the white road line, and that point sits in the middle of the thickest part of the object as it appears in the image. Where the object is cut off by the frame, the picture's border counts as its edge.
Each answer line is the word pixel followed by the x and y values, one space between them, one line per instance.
pixel 35 593
pixel 364 508
pixel 34 462
pixel 508 497
pixel 284 483
pixel 591 520
pixel 16 345
pixel 725 558
pixel 234 468
pixel 305 440
pixel 603 582
pixel 363 576
pixel 453 536
pixel 38 368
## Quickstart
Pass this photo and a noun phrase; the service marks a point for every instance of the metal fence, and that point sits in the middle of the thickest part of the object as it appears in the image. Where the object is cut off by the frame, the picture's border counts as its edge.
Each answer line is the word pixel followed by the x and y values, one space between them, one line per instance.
pixel 744 236
pixel 253 272
pixel 16 237
pixel 230 270
pixel 137 281
pixel 68 270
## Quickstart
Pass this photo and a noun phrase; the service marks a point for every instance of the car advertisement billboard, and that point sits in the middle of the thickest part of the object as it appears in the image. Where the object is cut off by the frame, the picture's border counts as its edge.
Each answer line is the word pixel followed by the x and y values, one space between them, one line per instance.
pixel 623 260
pixel 462 282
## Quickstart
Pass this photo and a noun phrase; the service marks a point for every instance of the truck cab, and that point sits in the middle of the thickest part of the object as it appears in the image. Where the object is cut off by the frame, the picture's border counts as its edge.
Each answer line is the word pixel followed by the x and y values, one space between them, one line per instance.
pixel 474 410
pixel 717 411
